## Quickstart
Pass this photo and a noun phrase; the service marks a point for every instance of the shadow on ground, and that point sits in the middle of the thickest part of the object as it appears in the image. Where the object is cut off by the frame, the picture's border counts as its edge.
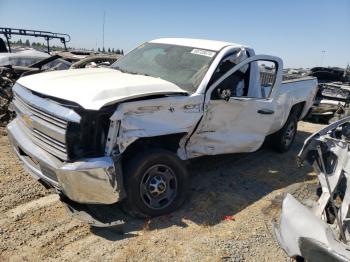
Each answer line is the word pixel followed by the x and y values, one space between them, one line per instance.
pixel 224 185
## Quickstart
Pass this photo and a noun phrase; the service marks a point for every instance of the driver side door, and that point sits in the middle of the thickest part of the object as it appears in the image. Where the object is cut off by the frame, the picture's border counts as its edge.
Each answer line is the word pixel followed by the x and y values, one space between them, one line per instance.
pixel 237 121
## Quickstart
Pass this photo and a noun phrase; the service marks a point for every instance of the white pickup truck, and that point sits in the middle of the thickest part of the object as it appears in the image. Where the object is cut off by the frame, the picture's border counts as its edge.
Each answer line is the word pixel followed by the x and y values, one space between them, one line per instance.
pixel 122 134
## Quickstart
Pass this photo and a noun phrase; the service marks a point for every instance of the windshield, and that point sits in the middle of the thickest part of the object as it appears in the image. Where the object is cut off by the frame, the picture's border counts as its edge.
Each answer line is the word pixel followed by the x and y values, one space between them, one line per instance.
pixel 181 65
pixel 26 61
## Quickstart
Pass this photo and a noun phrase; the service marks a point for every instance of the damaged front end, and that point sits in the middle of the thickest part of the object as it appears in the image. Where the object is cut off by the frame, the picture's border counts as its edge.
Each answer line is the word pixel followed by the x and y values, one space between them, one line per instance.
pixel 80 151
pixel 321 232
pixel 64 149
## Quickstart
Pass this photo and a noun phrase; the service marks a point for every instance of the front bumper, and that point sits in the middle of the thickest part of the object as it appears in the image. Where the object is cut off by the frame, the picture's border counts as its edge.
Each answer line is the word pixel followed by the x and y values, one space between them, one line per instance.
pixel 89 181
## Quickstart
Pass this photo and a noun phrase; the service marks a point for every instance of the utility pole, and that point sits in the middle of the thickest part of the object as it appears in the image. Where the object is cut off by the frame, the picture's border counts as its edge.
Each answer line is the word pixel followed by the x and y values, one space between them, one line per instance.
pixel 323 52
pixel 103 31
pixel 347 73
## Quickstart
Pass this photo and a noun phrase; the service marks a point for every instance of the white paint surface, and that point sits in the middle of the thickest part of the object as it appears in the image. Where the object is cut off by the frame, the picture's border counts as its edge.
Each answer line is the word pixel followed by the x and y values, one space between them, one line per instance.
pixel 95 87
pixel 198 43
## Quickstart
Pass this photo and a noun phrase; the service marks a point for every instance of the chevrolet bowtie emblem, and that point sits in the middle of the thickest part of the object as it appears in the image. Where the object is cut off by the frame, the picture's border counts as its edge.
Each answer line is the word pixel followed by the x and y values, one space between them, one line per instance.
pixel 28 120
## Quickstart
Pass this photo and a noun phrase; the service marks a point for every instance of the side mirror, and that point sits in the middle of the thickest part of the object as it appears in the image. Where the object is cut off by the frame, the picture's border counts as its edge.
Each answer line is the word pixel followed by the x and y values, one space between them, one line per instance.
pixel 224 94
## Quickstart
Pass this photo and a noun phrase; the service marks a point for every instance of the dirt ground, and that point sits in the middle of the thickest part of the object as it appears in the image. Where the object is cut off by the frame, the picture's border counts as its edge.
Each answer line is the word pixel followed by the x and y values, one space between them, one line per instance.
pixel 34 224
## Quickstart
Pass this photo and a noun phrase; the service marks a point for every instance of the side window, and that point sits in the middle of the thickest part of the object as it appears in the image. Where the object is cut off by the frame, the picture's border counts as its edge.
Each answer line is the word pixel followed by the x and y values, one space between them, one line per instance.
pixel 254 80
pixel 267 76
pixel 237 83
pixel 227 63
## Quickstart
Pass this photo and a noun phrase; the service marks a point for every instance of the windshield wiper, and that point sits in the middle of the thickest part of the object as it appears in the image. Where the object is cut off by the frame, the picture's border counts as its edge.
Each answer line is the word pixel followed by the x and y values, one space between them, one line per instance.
pixel 129 72
pixel 143 74
pixel 119 69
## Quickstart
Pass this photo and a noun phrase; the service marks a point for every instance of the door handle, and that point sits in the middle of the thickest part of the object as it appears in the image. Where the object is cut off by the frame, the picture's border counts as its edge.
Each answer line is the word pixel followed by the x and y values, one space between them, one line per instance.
pixel 266 111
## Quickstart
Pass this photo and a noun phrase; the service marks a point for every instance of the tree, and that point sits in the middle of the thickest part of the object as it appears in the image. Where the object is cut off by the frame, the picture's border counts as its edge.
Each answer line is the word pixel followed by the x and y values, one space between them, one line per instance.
pixel 122 52
pixel 109 50
pixel 112 50
pixel 27 43
pixel 103 50
pixel 118 51
pixel 98 50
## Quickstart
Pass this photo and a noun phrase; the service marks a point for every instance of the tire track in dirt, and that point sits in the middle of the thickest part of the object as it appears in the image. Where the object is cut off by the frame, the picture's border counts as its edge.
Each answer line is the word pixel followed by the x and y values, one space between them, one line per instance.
pixel 34 226
pixel 39 232
pixel 32 206
pixel 17 187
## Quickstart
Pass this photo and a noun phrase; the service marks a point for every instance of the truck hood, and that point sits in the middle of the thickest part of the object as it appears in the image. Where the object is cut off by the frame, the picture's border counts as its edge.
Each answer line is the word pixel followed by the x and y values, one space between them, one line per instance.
pixel 96 87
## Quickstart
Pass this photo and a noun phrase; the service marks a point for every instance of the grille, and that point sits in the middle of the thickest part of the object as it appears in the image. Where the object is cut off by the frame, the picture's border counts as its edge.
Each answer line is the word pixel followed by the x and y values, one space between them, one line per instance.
pixel 45 130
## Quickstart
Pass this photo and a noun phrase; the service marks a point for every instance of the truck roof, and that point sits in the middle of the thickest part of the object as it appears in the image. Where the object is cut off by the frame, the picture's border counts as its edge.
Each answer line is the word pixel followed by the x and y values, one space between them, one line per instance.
pixel 198 43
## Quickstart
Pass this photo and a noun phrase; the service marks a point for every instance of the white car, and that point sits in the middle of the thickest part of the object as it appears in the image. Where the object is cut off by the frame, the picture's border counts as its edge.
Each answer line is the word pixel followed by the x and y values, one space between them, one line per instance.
pixel 121 134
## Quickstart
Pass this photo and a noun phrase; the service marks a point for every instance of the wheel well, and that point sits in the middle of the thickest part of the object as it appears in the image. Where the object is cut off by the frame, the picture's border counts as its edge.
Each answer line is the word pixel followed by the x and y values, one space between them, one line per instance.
pixel 168 142
pixel 297 109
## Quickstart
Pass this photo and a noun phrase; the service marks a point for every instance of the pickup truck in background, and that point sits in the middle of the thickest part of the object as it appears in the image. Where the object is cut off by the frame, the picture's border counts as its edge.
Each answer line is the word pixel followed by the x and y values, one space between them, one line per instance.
pixel 122 134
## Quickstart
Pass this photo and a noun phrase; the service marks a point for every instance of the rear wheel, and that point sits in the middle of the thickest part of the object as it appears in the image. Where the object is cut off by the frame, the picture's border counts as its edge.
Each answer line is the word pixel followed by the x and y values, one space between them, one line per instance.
pixel 156 183
pixel 283 139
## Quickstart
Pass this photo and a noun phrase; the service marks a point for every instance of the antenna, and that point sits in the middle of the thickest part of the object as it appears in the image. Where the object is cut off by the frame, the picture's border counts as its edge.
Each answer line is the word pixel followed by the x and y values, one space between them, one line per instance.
pixel 323 52
pixel 103 30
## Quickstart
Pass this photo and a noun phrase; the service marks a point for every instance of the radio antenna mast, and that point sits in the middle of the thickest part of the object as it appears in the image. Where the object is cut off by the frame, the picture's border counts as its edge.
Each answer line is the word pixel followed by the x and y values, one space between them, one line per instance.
pixel 103 31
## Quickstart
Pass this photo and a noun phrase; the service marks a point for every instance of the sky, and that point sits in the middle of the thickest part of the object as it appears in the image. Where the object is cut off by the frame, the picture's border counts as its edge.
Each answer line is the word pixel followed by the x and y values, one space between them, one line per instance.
pixel 297 31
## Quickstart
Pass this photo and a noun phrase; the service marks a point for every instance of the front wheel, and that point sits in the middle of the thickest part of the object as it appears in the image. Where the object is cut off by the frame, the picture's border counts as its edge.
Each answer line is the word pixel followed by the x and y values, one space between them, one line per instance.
pixel 283 139
pixel 156 183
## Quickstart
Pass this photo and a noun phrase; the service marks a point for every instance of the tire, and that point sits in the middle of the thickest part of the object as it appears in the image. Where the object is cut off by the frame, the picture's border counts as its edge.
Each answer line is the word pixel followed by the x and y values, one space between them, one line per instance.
pixel 283 139
pixel 156 183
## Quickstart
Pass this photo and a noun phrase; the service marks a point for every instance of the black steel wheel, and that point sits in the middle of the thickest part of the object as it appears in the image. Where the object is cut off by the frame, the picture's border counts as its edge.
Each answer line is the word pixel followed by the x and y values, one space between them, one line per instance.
pixel 158 187
pixel 283 139
pixel 156 183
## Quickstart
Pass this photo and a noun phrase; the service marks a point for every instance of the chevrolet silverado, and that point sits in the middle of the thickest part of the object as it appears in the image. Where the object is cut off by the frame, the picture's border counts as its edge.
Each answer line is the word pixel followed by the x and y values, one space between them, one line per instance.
pixel 124 133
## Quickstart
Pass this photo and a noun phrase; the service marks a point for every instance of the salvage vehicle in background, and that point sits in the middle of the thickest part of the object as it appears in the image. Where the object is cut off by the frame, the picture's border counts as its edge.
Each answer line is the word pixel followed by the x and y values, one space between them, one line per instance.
pixel 28 62
pixel 331 102
pixel 333 96
pixel 15 63
pixel 122 134
pixel 320 232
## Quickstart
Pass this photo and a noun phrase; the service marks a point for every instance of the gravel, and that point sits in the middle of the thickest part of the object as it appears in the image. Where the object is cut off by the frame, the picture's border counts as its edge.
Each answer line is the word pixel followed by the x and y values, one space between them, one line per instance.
pixel 35 226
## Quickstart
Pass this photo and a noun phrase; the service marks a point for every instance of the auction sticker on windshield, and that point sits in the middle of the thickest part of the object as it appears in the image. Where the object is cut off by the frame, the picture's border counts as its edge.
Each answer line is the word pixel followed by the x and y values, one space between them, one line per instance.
pixel 203 52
